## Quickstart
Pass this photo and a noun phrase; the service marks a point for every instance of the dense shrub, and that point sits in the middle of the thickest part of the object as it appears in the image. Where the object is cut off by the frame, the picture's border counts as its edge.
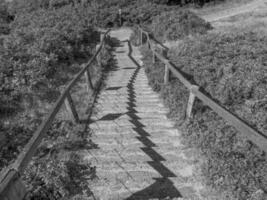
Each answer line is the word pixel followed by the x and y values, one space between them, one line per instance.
pixel 232 69
pixel 58 170
pixel 4 19
pixel 134 12
pixel 42 45
pixel 40 55
pixel 143 13
pixel 176 25
pixel 26 6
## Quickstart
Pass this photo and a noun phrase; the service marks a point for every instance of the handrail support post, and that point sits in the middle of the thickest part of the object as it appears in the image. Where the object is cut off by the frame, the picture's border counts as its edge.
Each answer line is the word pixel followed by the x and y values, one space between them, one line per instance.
pixel 141 38
pixel 153 56
pixel 90 86
pixel 191 101
pixel 71 108
pixel 166 74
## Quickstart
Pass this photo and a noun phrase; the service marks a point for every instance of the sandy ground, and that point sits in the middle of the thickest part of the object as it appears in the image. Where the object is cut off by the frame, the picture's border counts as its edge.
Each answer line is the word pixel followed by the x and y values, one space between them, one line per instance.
pixel 239 17
pixel 253 6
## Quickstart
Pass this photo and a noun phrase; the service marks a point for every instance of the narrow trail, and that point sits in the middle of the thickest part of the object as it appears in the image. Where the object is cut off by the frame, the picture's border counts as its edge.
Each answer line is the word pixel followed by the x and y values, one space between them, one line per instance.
pixel 139 154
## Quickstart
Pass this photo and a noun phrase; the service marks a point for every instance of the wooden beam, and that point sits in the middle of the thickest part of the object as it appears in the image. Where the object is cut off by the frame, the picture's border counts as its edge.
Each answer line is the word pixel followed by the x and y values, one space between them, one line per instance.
pixel 166 74
pixel 141 38
pixel 153 56
pixel 90 86
pixel 257 138
pixel 148 41
pixel 71 108
pixel 191 101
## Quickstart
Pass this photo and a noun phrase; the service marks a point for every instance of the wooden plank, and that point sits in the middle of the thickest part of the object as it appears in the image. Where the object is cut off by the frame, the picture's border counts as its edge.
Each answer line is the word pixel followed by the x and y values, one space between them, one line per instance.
pixel 166 74
pixel 191 101
pixel 148 41
pixel 174 71
pixel 141 38
pixel 90 86
pixel 153 57
pixel 71 108
pixel 243 128
pixel 178 75
pixel 160 57
pixel 102 37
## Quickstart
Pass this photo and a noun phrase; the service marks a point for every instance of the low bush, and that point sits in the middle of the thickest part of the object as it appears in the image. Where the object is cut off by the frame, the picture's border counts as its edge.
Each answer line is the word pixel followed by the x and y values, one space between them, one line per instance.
pixel 42 53
pixel 132 13
pixel 232 69
pixel 41 48
pixel 175 25
pixel 59 169
pixel 4 19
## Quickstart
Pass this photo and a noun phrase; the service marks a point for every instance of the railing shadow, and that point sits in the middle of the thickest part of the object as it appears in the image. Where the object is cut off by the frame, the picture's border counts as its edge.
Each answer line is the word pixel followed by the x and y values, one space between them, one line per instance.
pixel 162 187
pixel 111 66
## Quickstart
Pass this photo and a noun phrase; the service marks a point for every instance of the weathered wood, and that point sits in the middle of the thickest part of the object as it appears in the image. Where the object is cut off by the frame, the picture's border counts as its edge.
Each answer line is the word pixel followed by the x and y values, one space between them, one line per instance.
pixel 256 137
pixel 166 74
pixel 12 188
pixel 191 101
pixel 178 75
pixel 71 108
pixel 102 37
pixel 141 38
pixel 98 60
pixel 148 41
pixel 90 86
pixel 153 57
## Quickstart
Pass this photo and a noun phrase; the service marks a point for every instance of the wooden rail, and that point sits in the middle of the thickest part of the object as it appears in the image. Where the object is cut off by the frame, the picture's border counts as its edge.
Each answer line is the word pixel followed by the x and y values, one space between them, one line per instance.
pixel 257 138
pixel 11 187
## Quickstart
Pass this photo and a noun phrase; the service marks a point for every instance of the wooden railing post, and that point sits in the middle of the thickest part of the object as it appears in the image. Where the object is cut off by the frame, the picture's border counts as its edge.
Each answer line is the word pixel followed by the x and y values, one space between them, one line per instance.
pixel 191 101
pixel 71 108
pixel 98 56
pixel 141 38
pixel 101 37
pixel 147 41
pixel 153 56
pixel 90 86
pixel 166 74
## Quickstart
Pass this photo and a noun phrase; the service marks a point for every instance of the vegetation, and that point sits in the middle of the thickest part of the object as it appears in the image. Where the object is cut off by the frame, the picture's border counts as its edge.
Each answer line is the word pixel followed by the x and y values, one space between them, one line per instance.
pixel 176 25
pixel 106 14
pixel 4 19
pixel 231 68
pixel 46 41
pixel 40 55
